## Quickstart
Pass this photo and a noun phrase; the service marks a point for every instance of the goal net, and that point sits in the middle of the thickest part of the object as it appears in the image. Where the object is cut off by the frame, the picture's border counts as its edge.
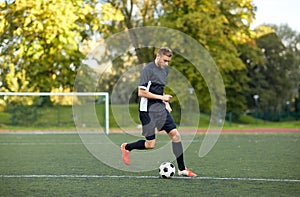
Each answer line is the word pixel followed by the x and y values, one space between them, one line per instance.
pixel 54 111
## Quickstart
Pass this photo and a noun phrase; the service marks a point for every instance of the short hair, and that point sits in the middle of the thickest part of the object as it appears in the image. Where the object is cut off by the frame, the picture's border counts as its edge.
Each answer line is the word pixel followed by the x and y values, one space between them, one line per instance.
pixel 165 51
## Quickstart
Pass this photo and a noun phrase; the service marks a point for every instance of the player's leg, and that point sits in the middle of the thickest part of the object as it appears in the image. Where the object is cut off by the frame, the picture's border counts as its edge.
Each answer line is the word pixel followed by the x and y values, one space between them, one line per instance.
pixel 139 145
pixel 149 143
pixel 148 127
pixel 178 152
pixel 169 126
pixel 177 147
pixel 174 135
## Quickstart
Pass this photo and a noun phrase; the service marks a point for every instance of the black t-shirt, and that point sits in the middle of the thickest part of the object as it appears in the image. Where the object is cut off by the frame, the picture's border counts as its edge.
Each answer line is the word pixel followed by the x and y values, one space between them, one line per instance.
pixel 153 79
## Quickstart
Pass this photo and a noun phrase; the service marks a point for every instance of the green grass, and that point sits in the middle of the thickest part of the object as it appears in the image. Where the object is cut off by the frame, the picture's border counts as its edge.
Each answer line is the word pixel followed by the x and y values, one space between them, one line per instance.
pixel 241 155
pixel 60 117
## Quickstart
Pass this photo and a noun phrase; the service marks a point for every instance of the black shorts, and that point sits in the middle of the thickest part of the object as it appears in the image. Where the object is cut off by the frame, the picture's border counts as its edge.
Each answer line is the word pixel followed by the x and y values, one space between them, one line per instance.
pixel 161 120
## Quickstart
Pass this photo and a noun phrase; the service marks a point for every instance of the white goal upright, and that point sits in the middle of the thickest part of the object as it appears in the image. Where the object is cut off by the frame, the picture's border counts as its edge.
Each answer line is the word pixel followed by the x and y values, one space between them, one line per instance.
pixel 74 98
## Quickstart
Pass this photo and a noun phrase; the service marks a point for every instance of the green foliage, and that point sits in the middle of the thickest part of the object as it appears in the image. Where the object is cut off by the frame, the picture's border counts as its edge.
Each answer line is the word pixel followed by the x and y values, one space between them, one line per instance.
pixel 272 78
pixel 41 40
pixel 214 25
pixel 61 117
pixel 23 115
pixel 43 43
pixel 291 41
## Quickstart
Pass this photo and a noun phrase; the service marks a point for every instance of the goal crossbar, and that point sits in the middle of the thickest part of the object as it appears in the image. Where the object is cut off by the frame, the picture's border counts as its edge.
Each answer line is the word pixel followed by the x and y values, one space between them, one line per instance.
pixel 53 93
pixel 67 94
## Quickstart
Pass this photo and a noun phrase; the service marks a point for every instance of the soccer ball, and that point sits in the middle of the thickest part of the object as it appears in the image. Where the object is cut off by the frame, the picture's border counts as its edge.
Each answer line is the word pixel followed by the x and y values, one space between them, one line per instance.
pixel 166 170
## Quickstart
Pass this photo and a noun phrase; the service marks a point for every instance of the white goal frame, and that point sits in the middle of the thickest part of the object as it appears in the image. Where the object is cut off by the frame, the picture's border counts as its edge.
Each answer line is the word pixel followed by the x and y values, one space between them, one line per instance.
pixel 106 129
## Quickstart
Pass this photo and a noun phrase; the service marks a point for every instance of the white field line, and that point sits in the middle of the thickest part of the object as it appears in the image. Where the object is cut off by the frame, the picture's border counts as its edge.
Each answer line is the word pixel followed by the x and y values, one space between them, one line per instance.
pixel 151 177
pixel 70 143
pixel 40 143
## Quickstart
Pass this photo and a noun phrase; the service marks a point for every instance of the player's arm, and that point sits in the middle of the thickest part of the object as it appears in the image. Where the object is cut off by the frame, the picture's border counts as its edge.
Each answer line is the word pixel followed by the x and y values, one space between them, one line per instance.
pixel 144 93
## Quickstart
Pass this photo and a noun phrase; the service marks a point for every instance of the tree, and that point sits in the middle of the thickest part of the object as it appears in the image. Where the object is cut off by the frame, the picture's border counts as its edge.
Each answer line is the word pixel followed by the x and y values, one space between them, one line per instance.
pixel 252 56
pixel 41 40
pixel 135 14
pixel 131 14
pixel 270 79
pixel 291 41
pixel 220 26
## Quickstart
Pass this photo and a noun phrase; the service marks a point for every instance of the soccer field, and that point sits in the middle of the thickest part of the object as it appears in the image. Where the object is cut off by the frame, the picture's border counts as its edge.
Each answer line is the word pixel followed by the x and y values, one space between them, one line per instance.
pixel 240 164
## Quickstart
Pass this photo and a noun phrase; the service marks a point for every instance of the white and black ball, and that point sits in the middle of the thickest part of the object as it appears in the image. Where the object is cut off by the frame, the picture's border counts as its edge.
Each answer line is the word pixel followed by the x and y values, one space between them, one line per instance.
pixel 166 170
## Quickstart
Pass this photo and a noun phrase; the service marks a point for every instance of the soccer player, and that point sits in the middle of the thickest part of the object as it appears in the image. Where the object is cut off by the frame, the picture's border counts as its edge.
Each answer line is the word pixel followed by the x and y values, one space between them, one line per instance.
pixel 154 111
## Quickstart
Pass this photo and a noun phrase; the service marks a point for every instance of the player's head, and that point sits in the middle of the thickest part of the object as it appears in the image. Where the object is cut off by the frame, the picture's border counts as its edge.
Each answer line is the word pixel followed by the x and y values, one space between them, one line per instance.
pixel 163 56
pixel 165 51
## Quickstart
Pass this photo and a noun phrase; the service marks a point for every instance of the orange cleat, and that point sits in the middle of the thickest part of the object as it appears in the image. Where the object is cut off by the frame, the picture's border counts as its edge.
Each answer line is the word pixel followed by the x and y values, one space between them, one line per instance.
pixel 125 154
pixel 187 172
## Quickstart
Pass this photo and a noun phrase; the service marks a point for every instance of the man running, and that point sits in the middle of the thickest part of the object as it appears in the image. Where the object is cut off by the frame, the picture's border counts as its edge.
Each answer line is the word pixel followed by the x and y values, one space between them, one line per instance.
pixel 154 111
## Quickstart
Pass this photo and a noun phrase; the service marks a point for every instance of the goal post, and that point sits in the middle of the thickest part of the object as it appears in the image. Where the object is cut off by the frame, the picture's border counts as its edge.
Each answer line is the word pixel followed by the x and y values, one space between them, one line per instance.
pixel 5 95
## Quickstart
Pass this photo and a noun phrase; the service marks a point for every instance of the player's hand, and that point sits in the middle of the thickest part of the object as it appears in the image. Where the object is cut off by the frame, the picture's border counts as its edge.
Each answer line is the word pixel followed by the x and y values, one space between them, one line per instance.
pixel 168 106
pixel 166 97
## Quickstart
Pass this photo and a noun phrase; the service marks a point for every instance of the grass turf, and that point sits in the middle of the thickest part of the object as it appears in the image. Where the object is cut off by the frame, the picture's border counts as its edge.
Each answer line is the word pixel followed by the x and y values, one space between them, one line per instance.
pixel 263 156
pixel 60 117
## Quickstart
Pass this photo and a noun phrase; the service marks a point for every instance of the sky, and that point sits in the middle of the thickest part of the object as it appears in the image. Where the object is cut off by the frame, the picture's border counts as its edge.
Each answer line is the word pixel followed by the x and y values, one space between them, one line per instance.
pixel 278 12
